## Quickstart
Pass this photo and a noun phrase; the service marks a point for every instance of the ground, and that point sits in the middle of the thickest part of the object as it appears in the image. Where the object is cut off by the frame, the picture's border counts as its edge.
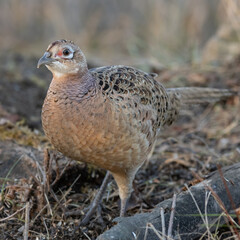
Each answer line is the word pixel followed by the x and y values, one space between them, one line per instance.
pixel 58 189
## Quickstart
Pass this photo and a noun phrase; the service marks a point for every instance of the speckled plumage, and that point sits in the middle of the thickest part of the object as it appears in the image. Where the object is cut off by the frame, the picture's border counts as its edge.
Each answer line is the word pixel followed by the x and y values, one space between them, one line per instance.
pixel 109 116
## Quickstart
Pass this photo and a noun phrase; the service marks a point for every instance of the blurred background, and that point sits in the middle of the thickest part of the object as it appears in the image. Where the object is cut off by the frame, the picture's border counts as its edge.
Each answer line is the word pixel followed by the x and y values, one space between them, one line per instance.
pixel 186 42
pixel 170 32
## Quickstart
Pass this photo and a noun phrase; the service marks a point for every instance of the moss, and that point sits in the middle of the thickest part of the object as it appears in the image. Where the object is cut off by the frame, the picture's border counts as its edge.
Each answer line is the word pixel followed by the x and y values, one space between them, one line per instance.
pixel 21 134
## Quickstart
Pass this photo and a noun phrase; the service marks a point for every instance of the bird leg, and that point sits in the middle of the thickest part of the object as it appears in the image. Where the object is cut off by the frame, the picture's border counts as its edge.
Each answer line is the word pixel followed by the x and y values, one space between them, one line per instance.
pixel 97 200
pixel 124 182
pixel 123 206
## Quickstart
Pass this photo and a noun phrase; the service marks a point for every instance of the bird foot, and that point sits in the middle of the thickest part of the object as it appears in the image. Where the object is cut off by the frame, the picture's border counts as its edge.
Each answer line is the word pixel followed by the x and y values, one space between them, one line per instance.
pixel 96 204
pixel 90 211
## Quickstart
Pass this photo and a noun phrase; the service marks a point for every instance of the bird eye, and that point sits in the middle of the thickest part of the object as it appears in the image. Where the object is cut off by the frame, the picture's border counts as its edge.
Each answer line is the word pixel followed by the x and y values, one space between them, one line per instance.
pixel 66 52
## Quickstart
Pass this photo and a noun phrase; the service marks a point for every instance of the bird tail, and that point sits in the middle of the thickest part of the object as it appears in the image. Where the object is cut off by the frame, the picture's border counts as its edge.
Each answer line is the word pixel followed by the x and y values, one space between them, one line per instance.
pixel 196 95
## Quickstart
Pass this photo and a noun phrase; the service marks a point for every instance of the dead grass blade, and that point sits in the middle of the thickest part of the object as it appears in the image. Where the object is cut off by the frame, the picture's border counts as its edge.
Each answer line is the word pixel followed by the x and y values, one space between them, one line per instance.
pixel 163 223
pixel 170 225
pixel 232 226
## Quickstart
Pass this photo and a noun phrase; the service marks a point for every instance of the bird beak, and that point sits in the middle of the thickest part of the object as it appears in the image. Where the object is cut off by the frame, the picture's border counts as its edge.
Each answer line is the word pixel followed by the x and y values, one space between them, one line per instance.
pixel 45 59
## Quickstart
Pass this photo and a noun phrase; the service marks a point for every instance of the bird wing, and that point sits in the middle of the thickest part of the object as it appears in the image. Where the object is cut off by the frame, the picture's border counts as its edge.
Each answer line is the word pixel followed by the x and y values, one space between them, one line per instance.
pixel 134 89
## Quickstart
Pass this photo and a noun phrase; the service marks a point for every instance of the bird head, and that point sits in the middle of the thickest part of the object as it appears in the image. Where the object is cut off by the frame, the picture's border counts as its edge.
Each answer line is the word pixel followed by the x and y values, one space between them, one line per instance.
pixel 63 57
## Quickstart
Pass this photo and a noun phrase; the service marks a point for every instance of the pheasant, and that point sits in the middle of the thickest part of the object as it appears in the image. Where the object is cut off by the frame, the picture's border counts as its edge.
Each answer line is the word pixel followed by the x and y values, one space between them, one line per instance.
pixel 109 116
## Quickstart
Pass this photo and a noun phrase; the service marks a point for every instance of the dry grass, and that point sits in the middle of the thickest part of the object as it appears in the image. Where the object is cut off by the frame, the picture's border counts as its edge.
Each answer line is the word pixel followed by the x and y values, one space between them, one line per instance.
pixel 232 8
pixel 169 31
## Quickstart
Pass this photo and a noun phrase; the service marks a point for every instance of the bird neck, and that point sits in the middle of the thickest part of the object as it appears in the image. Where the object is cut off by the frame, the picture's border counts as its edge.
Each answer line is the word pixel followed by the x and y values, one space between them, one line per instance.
pixel 73 84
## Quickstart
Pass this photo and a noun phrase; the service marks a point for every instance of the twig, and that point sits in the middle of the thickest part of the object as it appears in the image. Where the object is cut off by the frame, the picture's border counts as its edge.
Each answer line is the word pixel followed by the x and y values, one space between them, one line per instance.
pixel 86 236
pixel 59 175
pixel 32 222
pixel 45 225
pixel 48 204
pixel 146 232
pixel 6 218
pixel 170 225
pixel 47 164
pixel 42 173
pixel 57 200
pixel 155 230
pixel 163 223
pixel 207 196
pixel 27 217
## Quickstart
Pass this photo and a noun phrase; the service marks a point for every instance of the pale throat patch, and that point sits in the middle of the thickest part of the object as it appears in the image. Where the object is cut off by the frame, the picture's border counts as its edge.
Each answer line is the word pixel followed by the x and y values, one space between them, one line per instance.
pixel 59 69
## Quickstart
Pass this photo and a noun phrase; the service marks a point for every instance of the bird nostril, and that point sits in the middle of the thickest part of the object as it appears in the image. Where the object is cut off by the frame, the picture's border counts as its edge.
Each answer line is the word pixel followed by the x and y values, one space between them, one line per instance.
pixel 47 54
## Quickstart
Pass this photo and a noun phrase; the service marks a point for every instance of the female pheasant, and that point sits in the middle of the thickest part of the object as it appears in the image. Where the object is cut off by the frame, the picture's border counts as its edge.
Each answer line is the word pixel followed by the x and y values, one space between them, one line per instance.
pixel 109 116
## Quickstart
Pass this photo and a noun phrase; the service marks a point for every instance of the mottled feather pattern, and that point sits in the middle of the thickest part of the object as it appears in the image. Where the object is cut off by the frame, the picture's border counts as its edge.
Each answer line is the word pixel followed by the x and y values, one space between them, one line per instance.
pixel 136 91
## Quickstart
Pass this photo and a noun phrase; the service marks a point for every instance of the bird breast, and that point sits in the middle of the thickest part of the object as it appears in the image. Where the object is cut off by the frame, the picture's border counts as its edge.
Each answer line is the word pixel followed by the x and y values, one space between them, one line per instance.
pixel 93 130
